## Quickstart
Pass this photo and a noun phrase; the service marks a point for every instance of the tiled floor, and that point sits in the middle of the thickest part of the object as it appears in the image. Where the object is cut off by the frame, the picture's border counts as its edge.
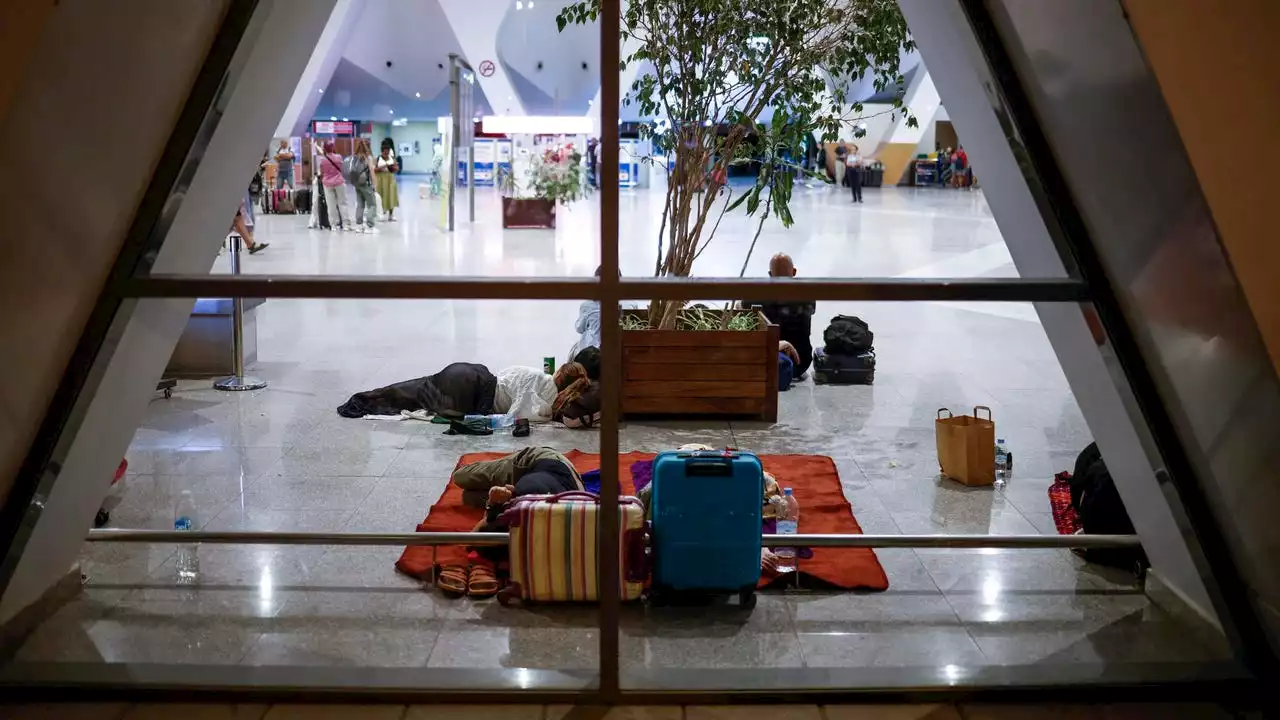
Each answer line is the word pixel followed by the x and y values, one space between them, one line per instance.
pixel 282 459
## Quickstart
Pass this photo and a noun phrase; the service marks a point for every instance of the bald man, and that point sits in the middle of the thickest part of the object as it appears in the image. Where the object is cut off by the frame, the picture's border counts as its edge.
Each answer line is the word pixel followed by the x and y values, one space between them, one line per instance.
pixel 794 319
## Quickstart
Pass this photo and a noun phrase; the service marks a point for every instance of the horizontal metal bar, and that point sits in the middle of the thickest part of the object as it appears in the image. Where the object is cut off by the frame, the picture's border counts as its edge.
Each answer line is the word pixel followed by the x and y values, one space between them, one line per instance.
pixel 296 538
pixel 575 288
pixel 954 541
pixel 348 287
pixel 478 539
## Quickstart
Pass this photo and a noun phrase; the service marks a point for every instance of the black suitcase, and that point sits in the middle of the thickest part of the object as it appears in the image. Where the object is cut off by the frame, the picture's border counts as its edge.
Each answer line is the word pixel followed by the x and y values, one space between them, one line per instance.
pixel 302 200
pixel 323 212
pixel 844 369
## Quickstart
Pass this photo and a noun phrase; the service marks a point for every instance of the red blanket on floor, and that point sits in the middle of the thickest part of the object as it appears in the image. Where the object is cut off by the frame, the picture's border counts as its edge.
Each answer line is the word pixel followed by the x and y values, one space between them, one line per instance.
pixel 824 510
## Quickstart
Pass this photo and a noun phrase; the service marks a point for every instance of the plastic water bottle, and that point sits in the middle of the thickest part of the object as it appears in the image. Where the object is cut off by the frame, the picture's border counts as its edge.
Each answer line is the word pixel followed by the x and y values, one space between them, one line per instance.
pixel 788 524
pixel 1004 463
pixel 184 519
pixel 493 422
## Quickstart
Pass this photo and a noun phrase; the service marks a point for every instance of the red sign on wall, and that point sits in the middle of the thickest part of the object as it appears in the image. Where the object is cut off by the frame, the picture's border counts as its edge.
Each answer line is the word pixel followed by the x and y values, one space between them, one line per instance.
pixel 329 127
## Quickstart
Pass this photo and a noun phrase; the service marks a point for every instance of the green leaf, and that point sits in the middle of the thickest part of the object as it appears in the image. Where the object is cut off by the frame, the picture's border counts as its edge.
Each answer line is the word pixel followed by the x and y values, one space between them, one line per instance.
pixel 741 199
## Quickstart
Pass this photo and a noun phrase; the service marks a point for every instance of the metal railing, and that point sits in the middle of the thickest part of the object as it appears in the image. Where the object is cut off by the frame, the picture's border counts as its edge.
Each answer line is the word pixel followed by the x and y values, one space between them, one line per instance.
pixel 478 539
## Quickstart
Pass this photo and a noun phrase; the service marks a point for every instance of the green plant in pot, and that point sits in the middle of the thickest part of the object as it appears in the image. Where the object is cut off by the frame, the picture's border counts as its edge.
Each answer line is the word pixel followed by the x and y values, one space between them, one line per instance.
pixel 717 66
pixel 553 177
pixel 558 175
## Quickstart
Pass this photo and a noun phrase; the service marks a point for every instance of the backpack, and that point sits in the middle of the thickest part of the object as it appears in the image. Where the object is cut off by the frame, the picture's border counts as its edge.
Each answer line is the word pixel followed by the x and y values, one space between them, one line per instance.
pixel 1101 512
pixel 847 335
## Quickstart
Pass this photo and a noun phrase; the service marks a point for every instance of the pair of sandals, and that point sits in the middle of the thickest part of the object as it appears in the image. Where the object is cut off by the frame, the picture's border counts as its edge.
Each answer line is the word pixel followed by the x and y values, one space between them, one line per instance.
pixel 477 581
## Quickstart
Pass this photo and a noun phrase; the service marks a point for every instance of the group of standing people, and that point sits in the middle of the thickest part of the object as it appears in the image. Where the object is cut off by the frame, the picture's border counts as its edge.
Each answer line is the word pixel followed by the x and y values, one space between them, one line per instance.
pixel 953 168
pixel 371 177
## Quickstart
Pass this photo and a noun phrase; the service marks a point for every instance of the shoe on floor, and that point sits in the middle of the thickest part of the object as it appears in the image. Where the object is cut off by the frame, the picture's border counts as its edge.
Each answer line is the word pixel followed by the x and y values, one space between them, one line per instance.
pixel 373 230
pixel 360 229
pixel 258 248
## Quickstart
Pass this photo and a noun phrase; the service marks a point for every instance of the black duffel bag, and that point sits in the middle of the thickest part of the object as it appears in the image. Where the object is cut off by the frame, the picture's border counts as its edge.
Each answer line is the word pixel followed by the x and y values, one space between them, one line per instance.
pixel 1101 512
pixel 847 335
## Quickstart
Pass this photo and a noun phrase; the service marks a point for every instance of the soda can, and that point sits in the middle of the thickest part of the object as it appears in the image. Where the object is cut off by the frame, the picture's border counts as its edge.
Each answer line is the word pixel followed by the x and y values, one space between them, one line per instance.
pixel 549 365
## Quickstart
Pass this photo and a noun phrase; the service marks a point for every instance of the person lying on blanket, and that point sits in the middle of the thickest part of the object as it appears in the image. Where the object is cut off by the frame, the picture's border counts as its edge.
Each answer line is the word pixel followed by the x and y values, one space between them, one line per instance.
pixel 491 485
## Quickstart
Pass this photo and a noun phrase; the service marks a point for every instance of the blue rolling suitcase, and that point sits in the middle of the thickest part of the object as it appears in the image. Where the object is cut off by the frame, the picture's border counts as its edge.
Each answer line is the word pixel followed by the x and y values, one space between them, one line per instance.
pixel 706 509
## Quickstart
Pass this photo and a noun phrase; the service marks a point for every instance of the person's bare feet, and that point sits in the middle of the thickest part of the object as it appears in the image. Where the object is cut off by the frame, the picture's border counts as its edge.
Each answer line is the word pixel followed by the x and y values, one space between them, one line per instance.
pixel 501 494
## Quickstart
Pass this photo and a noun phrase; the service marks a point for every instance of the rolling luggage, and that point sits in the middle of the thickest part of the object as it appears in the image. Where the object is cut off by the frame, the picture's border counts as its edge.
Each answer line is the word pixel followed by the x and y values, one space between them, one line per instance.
pixel 706 508
pixel 553 548
pixel 284 204
pixel 302 200
pixel 323 213
pixel 844 369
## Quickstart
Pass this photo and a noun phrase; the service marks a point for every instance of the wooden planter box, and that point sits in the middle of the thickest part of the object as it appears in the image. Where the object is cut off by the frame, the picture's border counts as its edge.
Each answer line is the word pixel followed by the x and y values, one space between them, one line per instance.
pixel 700 372
pixel 528 213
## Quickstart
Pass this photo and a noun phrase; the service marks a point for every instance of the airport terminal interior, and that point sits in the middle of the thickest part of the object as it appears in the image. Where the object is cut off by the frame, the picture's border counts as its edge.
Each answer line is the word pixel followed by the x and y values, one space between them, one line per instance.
pixel 283 459
pixel 461 193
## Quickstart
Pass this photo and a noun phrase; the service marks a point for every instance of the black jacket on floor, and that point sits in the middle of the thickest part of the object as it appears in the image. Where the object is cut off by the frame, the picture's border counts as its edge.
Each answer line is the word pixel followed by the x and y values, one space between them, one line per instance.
pixel 466 388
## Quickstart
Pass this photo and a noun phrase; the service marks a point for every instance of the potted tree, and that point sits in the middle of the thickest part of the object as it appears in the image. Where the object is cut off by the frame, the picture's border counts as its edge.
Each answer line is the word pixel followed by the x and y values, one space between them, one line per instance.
pixel 555 176
pixel 711 71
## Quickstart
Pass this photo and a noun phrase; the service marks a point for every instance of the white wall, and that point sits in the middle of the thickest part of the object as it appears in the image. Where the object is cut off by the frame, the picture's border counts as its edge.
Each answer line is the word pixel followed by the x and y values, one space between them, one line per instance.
pixel 527 37
pixel 422 132
pixel 324 59
pixel 415 36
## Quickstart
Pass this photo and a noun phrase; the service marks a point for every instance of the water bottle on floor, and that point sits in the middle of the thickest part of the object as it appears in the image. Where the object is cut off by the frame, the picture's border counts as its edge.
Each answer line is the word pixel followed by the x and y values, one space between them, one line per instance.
pixel 493 422
pixel 184 519
pixel 1004 463
pixel 788 524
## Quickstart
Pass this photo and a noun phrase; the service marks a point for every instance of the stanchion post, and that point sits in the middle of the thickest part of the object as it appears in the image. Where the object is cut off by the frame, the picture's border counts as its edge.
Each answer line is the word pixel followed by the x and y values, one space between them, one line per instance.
pixel 237 382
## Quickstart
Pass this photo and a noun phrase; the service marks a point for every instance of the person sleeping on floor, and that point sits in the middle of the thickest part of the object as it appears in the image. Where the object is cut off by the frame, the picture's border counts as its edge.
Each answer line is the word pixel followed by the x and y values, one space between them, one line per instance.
pixel 491 485
pixel 571 396
pixel 495 484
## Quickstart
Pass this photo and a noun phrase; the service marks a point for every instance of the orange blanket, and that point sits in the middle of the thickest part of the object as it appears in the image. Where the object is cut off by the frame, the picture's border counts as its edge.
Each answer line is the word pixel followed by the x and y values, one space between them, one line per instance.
pixel 824 510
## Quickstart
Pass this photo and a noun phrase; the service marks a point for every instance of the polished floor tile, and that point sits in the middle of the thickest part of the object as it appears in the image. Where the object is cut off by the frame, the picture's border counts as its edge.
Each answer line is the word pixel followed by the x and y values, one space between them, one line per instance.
pixel 892 646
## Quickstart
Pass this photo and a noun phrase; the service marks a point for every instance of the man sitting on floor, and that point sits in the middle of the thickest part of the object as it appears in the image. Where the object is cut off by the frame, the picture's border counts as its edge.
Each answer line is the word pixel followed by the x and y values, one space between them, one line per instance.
pixel 794 319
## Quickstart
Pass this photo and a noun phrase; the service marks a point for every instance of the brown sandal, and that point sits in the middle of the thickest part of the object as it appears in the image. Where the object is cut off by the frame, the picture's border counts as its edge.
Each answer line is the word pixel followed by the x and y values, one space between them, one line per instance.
pixel 452 581
pixel 482 582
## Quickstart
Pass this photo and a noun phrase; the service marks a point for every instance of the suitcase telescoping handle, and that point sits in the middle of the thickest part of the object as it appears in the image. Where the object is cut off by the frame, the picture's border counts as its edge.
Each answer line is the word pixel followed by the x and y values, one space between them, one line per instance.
pixel 709 463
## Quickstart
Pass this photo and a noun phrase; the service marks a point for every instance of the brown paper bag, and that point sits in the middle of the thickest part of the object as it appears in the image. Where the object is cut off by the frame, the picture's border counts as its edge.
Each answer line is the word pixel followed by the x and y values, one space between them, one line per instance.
pixel 967 446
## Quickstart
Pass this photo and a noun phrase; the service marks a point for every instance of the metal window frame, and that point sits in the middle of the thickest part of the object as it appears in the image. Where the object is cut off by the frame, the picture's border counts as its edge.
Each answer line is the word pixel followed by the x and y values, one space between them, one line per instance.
pixel 131 279
pixel 1178 479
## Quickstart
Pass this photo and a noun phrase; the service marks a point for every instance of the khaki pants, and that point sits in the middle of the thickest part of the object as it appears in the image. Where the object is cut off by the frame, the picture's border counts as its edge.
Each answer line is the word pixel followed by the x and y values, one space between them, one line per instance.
pixel 476 479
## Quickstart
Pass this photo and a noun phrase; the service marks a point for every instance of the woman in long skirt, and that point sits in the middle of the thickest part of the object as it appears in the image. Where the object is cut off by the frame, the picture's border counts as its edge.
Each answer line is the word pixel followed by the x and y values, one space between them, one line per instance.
pixel 385 178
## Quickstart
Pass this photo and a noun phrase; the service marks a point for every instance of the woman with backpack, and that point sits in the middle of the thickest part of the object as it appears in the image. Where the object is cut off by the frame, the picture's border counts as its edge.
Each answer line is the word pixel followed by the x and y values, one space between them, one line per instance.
pixel 335 186
pixel 362 181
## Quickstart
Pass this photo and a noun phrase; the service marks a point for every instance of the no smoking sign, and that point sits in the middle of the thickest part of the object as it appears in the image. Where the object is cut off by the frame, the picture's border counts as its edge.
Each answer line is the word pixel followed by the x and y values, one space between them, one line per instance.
pixel 486 68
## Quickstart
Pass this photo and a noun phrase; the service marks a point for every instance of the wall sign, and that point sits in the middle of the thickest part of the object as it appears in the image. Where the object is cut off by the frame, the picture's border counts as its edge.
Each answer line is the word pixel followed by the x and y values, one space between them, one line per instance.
pixel 328 127
pixel 487 68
